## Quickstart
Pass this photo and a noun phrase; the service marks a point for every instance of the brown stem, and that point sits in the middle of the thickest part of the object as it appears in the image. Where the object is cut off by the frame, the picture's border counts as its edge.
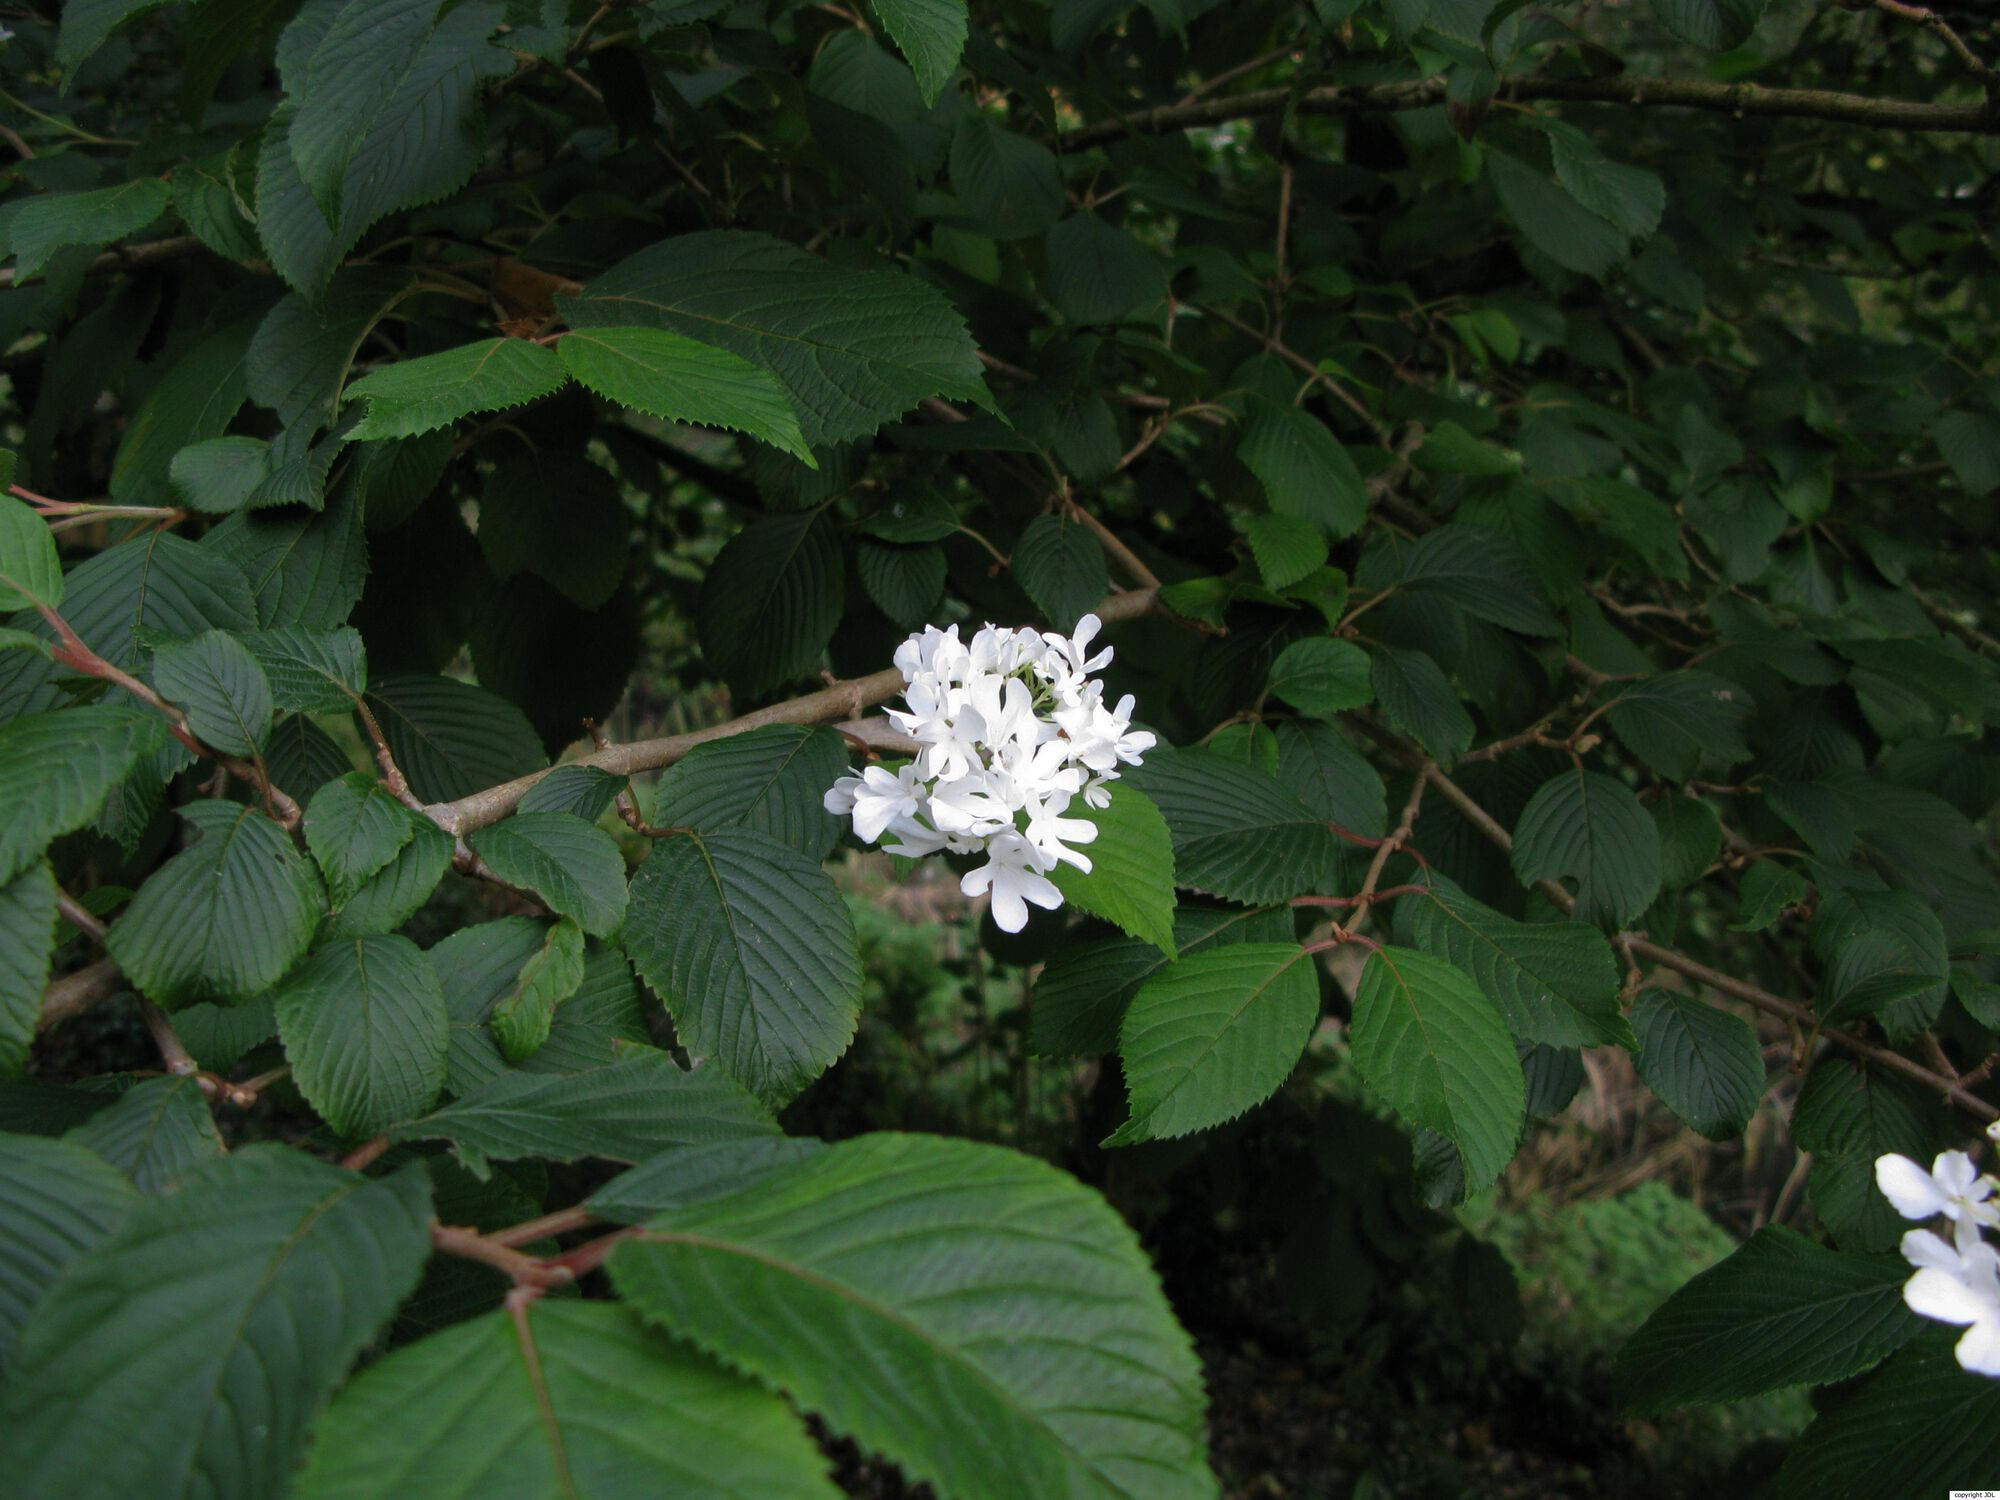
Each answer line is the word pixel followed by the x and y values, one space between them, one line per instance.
pixel 364 1155
pixel 524 1270
pixel 392 774
pixel 1304 366
pixel 562 1221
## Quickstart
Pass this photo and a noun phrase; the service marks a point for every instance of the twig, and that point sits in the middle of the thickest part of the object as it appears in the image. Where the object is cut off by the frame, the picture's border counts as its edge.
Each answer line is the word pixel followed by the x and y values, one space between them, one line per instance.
pixel 549 1225
pixel 1304 366
pixel 524 1270
pixel 364 1155
pixel 1930 19
pixel 392 775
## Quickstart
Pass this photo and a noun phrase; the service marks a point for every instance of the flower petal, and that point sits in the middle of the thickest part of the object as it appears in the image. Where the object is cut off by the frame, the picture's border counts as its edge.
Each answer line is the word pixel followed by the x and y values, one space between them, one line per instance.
pixel 1908 1187
pixel 1941 1295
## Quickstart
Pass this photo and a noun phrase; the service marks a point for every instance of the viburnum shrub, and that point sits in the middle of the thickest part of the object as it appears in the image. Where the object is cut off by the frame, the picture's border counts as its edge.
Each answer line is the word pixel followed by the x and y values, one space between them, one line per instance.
pixel 474 468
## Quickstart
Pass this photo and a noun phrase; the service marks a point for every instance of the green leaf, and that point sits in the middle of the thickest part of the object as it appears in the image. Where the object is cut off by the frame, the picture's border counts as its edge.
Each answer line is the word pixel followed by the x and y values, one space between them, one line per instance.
pixel 1552 221
pixel 1449 449
pixel 481 966
pixel 627 1111
pixel 451 739
pixel 58 1201
pixel 1213 1035
pixel 1714 24
pixel 1418 698
pixel 667 375
pixel 1920 1427
pixel 1882 950
pixel 434 390
pixel 1630 198
pixel 1131 879
pixel 1970 443
pixel 564 1399
pixel 1286 548
pixel 523 1019
pixel 572 865
pixel 560 518
pixel 158 1132
pixel 770 780
pixel 1320 677
pixel 217 683
pixel 192 403
pixel 1305 471
pixel 365 1030
pixel 215 1322
pixel 931 34
pixel 853 349
pixel 311 671
pixel 304 568
pixel 754 953
pixel 1060 566
pixel 688 1175
pixel 56 770
pixel 393 894
pixel 905 583
pixel 27 948
pixel 1769 891
pixel 1099 273
pixel 220 476
pixel 1690 839
pixel 1482 571
pixel 1679 722
pixel 1236 833
pixel 88 25
pixel 771 600
pixel 925 516
pixel 1582 826
pixel 582 791
pixel 963 1278
pixel 1010 185
pixel 30 572
pixel 1780 1311
pixel 1847 1117
pixel 1556 983
pixel 1435 1049
pixel 223 919
pixel 1704 1063
pixel 52 221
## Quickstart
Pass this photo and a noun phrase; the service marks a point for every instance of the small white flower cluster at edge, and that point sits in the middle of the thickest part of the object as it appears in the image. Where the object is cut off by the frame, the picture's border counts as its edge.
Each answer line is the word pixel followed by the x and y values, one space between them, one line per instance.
pixel 1012 729
pixel 1957 1280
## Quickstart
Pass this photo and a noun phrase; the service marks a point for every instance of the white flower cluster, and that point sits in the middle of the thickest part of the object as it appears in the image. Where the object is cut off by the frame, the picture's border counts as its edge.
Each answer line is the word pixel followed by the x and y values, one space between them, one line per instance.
pixel 1012 730
pixel 1957 1280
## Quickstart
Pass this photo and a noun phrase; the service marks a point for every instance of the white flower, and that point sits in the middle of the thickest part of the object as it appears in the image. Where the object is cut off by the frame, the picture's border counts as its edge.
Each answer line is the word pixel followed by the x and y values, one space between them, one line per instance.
pixel 1011 730
pixel 1014 876
pixel 1958 1284
pixel 1953 1187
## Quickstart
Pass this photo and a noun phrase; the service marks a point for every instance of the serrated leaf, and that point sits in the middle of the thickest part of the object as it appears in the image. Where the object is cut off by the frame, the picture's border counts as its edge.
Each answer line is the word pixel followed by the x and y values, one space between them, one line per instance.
pixel 27 948
pixel 311 671
pixel 1060 566
pixel 771 600
pixel 989 1282
pixel 1131 880
pixel 1679 722
pixel 582 791
pixel 1690 839
pixel 1286 548
pixel 223 919
pixel 396 892
pixel 559 517
pixel 670 376
pixel 1918 1428
pixel 905 583
pixel 565 1399
pixel 931 34
pixel 1082 992
pixel 1630 198
pixel 1483 572
pixel 1714 24
pixel 158 1132
pixel 1555 224
pixel 57 768
pixel 1236 833
pixel 1433 1047
pixel 192 403
pixel 1305 471
pixel 853 349
pixel 1970 443
pixel 688 1175
pixel 53 221
pixel 771 780
pixel 1320 677
pixel 626 1111
pixel 88 25
pixel 523 1019
pixel 1704 1063
pixel 434 390
pixel 30 571
pixel 1780 1311
pixel 216 682
pixel 1582 826
pixel 572 865
pixel 1419 700
pixel 221 475
pixel 754 953
pixel 215 1321
pixel 1556 983
pixel 365 1030
pixel 1848 1116
pixel 304 568
pixel 1212 1035
pixel 451 739
pixel 480 966
pixel 1100 273
pixel 59 1201
pixel 1010 185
